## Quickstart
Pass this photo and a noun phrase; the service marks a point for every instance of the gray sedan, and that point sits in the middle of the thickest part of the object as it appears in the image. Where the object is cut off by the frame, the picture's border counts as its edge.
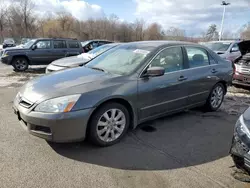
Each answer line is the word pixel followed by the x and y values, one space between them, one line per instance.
pixel 128 85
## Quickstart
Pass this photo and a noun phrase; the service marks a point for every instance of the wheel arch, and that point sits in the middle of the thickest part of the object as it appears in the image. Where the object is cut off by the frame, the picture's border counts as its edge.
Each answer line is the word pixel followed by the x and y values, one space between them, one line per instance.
pixel 23 56
pixel 122 101
pixel 224 83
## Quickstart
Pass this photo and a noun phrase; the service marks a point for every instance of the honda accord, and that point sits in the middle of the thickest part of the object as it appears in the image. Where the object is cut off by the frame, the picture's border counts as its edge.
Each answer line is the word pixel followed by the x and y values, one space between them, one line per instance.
pixel 130 84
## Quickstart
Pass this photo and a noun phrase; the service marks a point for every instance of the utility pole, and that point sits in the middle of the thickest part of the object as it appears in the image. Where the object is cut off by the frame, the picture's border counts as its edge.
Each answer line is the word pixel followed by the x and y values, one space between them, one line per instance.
pixel 224 4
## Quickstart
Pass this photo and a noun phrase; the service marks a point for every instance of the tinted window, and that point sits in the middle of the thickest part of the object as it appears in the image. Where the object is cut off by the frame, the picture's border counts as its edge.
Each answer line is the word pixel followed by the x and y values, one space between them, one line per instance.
pixel 171 59
pixel 60 44
pixel 45 44
pixel 73 44
pixel 197 57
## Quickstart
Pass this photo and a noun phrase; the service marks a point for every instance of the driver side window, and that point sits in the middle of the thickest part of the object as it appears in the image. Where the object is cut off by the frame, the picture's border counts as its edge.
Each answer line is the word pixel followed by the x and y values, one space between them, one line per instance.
pixel 43 44
pixel 171 59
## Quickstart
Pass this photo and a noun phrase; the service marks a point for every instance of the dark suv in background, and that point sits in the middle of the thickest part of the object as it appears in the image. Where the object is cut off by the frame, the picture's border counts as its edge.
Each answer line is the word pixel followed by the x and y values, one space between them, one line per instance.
pixel 40 52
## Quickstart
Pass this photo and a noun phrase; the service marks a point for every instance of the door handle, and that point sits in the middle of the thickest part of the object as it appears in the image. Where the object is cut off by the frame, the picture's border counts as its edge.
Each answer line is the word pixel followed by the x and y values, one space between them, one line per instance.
pixel 214 71
pixel 182 78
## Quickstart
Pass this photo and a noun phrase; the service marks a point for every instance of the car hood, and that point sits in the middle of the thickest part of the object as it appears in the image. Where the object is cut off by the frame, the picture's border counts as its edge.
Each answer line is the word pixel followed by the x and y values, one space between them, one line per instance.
pixel 71 61
pixel 244 47
pixel 62 83
pixel 12 49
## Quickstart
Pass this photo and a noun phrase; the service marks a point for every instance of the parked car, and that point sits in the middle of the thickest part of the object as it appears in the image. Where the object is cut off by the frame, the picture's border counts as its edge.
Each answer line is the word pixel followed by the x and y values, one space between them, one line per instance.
pixel 228 50
pixel 92 44
pixel 9 42
pixel 40 52
pixel 130 84
pixel 75 61
pixel 240 146
pixel 242 65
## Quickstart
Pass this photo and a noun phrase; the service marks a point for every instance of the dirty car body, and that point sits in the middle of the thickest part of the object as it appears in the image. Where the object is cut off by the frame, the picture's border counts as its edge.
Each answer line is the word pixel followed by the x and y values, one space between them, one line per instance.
pixel 130 84
pixel 242 65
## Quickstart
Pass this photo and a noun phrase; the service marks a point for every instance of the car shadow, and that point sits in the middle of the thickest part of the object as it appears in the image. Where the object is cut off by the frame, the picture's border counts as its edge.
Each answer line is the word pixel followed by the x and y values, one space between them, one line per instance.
pixel 185 139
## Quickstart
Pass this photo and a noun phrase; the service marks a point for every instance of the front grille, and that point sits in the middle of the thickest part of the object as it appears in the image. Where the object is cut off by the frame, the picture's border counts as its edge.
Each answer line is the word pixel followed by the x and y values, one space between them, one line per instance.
pixel 243 69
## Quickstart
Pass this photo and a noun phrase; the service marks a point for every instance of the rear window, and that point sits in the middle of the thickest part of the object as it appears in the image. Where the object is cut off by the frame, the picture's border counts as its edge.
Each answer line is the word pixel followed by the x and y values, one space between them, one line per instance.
pixel 60 44
pixel 73 44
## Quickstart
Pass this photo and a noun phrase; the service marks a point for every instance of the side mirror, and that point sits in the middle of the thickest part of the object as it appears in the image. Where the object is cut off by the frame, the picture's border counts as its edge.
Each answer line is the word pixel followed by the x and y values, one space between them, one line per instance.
pixel 155 71
pixel 234 49
pixel 34 47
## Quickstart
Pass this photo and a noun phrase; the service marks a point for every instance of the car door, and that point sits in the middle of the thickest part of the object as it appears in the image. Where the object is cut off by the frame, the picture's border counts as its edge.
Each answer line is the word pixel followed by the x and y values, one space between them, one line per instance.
pixel 234 52
pixel 202 74
pixel 42 54
pixel 159 95
pixel 60 49
pixel 73 48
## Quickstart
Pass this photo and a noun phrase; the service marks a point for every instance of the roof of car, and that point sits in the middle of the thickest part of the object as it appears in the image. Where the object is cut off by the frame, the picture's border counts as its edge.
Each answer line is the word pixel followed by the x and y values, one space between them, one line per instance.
pixel 223 41
pixel 157 43
pixel 55 39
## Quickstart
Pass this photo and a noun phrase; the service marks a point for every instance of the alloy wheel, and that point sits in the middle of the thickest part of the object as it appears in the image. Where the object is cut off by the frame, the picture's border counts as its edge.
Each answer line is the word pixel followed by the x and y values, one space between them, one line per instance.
pixel 20 64
pixel 217 97
pixel 111 125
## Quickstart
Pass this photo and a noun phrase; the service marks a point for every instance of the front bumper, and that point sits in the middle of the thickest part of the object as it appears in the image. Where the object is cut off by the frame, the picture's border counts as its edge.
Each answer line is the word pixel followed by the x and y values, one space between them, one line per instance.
pixel 241 79
pixel 55 127
pixel 240 151
pixel 6 60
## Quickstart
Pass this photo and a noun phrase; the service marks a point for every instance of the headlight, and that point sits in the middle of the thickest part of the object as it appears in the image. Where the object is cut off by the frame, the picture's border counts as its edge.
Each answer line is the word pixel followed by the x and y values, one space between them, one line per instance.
pixel 60 104
pixel 241 128
pixel 5 54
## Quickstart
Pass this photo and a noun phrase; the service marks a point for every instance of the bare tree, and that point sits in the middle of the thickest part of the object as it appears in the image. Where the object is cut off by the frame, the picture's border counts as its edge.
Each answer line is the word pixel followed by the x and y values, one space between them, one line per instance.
pixel 212 33
pixel 3 18
pixel 153 32
pixel 174 33
pixel 26 8
pixel 139 29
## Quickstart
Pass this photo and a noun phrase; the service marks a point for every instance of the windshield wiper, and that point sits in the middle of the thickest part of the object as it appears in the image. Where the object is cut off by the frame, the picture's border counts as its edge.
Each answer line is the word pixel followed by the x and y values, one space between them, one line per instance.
pixel 97 68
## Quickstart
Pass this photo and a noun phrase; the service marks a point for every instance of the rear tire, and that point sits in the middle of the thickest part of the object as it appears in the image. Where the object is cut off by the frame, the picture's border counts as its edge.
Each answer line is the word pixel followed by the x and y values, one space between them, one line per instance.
pixel 215 98
pixel 20 64
pixel 109 124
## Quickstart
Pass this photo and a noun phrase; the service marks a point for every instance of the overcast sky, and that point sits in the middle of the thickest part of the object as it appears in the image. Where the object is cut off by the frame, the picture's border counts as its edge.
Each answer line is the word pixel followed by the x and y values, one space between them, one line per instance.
pixel 191 15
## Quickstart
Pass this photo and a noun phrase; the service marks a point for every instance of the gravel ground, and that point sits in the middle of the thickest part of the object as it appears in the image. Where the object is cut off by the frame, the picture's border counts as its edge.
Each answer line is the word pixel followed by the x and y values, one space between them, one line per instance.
pixel 189 149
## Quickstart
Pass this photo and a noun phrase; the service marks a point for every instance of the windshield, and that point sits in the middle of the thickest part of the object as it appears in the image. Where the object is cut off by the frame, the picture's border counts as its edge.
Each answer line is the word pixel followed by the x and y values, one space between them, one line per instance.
pixel 97 51
pixel 29 44
pixel 121 60
pixel 218 46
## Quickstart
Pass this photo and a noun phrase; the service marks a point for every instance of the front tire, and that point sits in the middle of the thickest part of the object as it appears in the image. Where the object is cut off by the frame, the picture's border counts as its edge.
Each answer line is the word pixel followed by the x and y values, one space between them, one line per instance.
pixel 109 124
pixel 215 98
pixel 20 64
